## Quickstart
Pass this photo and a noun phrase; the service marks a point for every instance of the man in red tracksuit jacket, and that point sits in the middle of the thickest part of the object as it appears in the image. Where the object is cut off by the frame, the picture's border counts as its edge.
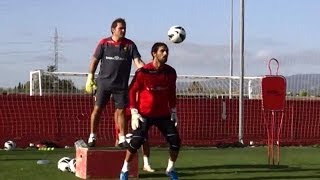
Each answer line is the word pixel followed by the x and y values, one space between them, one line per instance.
pixel 155 86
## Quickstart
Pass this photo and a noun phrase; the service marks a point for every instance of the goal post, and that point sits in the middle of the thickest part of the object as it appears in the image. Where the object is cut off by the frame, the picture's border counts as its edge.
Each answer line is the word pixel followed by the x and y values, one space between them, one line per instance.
pixel 217 86
pixel 46 83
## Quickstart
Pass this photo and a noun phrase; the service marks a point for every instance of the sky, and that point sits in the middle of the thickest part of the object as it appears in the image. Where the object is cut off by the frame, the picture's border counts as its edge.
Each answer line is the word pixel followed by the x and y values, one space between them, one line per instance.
pixel 284 29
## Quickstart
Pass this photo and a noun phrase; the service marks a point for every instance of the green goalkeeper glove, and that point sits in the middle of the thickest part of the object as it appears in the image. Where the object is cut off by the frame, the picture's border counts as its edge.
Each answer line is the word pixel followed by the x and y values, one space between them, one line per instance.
pixel 91 84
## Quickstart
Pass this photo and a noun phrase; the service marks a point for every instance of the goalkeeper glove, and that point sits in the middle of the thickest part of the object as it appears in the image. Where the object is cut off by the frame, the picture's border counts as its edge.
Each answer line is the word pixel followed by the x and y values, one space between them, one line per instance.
pixel 174 117
pixel 91 84
pixel 135 118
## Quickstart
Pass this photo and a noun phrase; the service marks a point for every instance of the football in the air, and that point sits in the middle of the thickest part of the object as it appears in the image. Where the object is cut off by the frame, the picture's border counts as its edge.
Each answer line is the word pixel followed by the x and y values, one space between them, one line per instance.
pixel 177 34
pixel 9 145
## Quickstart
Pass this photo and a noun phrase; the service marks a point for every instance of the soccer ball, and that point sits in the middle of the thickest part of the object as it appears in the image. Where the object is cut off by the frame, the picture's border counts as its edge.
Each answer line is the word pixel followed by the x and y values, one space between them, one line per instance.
pixel 63 164
pixel 72 165
pixel 176 34
pixel 9 145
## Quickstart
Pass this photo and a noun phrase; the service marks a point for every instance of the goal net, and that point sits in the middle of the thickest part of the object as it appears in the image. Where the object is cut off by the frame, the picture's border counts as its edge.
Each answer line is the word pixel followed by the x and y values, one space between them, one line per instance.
pixel 199 105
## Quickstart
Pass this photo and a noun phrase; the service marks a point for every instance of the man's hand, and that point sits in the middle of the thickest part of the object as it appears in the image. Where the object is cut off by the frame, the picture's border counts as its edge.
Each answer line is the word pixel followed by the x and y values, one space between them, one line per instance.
pixel 138 62
pixel 135 118
pixel 91 84
pixel 174 117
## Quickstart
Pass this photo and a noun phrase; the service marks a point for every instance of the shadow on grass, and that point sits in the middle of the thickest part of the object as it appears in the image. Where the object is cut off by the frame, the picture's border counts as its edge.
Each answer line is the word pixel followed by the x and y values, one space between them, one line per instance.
pixel 161 174
pixel 264 178
pixel 235 166
pixel 20 159
pixel 216 171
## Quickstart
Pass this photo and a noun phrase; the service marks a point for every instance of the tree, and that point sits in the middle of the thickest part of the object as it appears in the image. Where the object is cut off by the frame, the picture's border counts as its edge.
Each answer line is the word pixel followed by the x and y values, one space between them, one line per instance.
pixel 50 83
pixel 303 93
pixel 196 87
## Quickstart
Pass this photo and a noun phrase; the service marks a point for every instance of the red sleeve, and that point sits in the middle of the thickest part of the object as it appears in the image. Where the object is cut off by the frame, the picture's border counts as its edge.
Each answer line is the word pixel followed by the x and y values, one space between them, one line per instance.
pixel 98 52
pixel 172 98
pixel 134 88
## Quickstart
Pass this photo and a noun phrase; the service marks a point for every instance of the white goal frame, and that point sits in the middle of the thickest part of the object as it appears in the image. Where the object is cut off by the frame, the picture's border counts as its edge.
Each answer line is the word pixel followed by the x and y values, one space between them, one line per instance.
pixel 40 73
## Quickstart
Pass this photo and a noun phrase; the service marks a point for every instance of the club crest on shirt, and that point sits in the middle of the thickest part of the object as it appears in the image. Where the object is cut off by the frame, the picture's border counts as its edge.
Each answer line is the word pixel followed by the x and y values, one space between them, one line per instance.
pixel 125 48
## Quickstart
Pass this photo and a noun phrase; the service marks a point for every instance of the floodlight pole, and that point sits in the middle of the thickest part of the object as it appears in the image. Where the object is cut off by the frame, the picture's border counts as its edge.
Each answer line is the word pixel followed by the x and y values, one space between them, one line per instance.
pixel 231 50
pixel 241 71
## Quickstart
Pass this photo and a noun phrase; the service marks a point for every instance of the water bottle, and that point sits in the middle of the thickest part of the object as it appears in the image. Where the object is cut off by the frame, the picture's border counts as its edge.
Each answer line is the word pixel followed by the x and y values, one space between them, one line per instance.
pixel 80 143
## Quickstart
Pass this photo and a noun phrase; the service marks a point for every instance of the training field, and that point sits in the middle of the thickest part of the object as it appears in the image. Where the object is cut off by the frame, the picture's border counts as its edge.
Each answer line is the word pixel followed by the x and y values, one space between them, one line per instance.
pixel 194 163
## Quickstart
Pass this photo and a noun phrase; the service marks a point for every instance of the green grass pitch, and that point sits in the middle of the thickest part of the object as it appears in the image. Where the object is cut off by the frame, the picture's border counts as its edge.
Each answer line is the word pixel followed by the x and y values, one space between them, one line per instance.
pixel 193 163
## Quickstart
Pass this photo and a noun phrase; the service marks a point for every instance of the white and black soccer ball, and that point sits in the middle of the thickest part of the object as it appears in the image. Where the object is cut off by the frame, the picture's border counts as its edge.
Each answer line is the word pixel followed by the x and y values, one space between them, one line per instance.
pixel 63 164
pixel 9 145
pixel 177 34
pixel 72 165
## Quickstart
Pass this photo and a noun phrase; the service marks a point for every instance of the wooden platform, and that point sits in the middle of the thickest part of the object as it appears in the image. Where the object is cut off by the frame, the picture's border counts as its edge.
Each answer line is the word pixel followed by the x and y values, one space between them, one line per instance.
pixel 102 163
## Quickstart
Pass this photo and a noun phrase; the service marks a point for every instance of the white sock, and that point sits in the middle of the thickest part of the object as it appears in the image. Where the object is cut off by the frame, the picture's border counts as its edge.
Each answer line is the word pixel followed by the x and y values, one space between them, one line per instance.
pixel 145 161
pixel 170 166
pixel 122 139
pixel 92 135
pixel 125 166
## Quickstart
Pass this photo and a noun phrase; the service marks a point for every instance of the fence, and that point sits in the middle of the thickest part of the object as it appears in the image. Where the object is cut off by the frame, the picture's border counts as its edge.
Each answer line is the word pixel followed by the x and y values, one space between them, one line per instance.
pixel 208 114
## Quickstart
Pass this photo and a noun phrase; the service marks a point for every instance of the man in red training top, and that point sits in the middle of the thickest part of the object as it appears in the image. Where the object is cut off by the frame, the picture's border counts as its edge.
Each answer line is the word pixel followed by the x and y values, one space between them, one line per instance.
pixel 155 86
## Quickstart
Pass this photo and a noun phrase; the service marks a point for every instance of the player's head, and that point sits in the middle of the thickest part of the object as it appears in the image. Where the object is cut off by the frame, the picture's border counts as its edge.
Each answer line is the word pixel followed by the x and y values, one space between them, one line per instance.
pixel 160 52
pixel 118 28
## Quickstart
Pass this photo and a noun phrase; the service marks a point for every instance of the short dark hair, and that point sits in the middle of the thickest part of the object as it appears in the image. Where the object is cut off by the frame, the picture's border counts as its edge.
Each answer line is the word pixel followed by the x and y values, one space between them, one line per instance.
pixel 156 46
pixel 116 21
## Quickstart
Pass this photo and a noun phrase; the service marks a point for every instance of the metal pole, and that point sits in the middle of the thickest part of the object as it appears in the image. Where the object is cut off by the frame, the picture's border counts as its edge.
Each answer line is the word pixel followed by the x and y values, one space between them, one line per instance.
pixel 40 83
pixel 30 83
pixel 231 50
pixel 241 71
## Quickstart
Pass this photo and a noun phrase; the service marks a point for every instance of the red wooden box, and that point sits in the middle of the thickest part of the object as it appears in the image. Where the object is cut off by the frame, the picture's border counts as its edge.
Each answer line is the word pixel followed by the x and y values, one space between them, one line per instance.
pixel 95 163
